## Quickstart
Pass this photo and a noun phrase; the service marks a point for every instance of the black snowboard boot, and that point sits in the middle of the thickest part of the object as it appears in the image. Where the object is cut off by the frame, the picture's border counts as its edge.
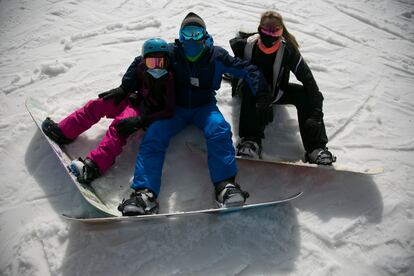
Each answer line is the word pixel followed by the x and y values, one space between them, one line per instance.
pixel 85 170
pixel 248 148
pixel 140 202
pixel 320 157
pixel 229 193
pixel 52 130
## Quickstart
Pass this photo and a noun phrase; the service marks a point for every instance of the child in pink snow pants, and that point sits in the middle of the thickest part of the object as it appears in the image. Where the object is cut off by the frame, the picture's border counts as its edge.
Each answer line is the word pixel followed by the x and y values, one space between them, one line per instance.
pixel 82 119
pixel 133 106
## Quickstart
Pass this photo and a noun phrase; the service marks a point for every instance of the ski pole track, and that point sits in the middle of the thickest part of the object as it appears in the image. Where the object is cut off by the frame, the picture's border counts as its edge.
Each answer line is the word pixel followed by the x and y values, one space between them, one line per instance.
pixel 357 111
pixel 250 8
pixel 390 52
pixel 398 105
pixel 243 14
pixel 399 69
pixel 110 29
pixel 346 10
pixel 120 6
pixel 341 34
pixel 408 3
pixel 316 33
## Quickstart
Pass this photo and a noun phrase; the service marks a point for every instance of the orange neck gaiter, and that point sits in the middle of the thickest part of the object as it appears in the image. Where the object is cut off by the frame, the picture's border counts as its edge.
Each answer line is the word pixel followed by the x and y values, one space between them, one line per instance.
pixel 270 50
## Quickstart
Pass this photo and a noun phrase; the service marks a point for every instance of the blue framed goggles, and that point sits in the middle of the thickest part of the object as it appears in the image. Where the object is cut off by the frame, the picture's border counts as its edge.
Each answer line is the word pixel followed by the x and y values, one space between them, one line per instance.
pixel 192 32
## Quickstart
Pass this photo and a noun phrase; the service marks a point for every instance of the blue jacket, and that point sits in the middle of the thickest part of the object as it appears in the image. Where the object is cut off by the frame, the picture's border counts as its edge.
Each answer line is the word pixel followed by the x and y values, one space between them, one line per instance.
pixel 196 83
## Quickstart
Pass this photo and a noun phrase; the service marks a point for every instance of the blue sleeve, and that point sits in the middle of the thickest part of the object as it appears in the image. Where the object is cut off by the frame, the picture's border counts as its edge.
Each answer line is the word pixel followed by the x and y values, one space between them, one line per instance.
pixel 244 70
pixel 130 78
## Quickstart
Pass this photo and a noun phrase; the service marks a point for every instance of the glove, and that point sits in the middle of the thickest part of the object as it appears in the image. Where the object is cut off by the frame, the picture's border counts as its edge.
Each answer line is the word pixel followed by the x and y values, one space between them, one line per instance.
pixel 118 94
pixel 264 108
pixel 127 126
pixel 135 99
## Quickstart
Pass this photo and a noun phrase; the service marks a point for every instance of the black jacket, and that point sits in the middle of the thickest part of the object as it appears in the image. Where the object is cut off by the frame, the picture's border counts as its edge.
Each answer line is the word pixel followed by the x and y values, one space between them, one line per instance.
pixel 292 62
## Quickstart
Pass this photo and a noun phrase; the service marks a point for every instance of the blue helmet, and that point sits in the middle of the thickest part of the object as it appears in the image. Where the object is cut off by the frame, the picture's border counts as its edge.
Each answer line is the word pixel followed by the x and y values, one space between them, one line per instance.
pixel 154 45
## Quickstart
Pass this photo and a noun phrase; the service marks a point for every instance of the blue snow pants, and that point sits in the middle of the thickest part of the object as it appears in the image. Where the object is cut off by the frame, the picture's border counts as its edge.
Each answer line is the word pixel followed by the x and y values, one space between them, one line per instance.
pixel 221 153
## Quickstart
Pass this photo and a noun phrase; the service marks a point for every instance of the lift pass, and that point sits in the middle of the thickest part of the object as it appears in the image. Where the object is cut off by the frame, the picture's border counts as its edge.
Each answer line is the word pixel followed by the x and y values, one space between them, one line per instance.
pixel 194 81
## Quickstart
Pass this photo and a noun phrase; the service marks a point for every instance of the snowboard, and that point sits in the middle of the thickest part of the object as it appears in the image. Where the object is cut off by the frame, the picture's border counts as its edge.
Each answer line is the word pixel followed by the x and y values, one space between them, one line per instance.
pixel 199 149
pixel 184 214
pixel 39 111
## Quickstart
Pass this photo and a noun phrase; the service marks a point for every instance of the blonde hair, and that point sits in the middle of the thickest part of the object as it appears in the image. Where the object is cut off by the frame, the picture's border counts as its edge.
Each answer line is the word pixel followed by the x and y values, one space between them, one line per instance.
pixel 272 15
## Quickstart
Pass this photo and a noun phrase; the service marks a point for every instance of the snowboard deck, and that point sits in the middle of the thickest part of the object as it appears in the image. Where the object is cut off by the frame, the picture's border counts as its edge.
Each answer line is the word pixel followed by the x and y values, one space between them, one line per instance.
pixel 196 148
pixel 182 214
pixel 39 111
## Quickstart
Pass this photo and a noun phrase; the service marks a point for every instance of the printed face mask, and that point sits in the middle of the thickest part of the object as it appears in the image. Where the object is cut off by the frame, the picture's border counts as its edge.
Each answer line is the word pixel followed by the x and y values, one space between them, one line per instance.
pixel 157 72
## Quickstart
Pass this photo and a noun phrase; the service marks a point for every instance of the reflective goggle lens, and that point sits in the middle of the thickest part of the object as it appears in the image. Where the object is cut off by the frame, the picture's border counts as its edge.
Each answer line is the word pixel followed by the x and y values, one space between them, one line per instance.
pixel 275 32
pixel 192 32
pixel 155 62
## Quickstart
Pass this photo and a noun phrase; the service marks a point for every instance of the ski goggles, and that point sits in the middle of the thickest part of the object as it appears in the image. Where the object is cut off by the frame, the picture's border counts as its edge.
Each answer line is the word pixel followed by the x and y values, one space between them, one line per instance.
pixel 155 62
pixel 192 32
pixel 274 32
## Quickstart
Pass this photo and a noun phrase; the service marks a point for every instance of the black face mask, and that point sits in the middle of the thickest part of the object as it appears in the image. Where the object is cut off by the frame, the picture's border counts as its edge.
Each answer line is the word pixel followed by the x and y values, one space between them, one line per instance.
pixel 268 40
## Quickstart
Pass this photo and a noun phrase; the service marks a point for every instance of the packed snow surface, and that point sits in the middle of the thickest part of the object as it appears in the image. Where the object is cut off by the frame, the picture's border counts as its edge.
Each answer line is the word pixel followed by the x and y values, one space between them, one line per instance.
pixel 66 52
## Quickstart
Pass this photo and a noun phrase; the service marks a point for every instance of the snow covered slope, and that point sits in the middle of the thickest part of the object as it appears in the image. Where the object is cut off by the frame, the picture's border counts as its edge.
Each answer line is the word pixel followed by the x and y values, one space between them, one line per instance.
pixel 66 52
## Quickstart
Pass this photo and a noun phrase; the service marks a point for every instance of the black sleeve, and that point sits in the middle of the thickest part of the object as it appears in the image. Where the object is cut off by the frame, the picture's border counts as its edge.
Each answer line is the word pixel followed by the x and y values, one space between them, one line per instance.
pixel 130 80
pixel 237 45
pixel 300 68
pixel 242 69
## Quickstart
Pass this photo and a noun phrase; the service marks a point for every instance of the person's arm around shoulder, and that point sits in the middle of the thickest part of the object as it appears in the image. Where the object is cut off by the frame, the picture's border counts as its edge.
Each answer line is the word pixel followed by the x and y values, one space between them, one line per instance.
pixel 129 84
pixel 237 45
pixel 242 69
pixel 254 78
pixel 130 80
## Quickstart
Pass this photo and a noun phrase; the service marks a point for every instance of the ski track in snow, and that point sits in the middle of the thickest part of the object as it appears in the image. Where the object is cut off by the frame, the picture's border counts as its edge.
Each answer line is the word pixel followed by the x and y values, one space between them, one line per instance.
pixel 66 52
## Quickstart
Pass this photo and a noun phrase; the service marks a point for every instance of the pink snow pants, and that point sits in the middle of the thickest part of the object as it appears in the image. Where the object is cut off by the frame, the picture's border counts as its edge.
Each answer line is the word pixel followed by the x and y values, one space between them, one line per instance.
pixel 88 115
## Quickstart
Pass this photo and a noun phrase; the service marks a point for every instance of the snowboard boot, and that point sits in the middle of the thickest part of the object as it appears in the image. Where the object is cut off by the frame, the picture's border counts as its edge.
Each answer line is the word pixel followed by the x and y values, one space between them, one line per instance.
pixel 249 149
pixel 52 130
pixel 229 194
pixel 85 170
pixel 140 202
pixel 320 157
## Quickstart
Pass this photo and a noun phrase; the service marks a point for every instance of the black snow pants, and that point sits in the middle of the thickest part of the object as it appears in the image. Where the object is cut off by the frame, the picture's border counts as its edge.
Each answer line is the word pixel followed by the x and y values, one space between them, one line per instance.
pixel 311 125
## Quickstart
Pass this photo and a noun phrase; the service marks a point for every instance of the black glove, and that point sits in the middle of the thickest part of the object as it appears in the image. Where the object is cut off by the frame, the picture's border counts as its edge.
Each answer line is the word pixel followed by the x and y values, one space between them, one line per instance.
pixel 264 109
pixel 118 94
pixel 127 126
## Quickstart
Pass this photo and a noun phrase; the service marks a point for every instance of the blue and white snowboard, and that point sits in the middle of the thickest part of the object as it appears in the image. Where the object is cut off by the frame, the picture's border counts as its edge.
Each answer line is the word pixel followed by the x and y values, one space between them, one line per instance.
pixel 184 214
